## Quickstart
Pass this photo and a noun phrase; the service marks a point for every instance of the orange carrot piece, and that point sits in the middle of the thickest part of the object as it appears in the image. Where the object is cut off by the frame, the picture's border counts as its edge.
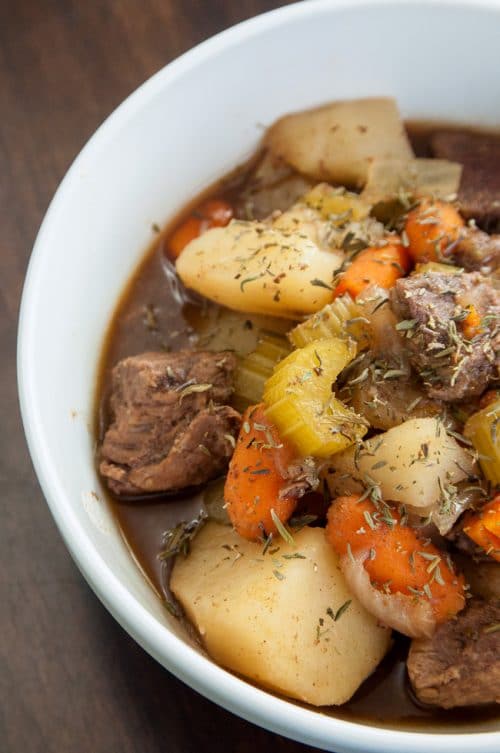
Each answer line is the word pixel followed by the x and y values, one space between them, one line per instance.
pixel 190 229
pixel 484 528
pixel 397 560
pixel 381 265
pixel 471 325
pixel 256 477
pixel 431 228
pixel 217 211
pixel 211 213
pixel 488 398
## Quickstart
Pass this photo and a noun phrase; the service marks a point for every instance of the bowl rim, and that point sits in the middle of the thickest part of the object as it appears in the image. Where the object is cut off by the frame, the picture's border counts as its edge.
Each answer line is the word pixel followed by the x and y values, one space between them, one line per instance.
pixel 258 706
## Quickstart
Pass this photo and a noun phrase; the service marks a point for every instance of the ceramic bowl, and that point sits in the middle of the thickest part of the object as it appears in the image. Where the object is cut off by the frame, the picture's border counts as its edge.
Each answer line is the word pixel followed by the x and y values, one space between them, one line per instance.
pixel 188 125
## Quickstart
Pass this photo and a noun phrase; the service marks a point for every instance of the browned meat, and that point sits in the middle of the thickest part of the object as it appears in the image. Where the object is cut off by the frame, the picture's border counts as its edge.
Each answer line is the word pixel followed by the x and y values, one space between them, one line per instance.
pixel 386 403
pixel 460 664
pixel 302 476
pixel 479 153
pixel 434 306
pixel 477 251
pixel 170 428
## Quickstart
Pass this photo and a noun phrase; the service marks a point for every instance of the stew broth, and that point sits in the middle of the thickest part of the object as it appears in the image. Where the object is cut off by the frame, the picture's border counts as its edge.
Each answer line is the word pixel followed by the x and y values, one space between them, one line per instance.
pixel 154 313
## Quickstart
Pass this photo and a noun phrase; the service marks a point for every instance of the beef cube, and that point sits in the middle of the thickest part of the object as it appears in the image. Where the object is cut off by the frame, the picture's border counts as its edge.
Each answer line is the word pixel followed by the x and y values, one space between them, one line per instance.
pixel 452 366
pixel 477 251
pixel 170 426
pixel 479 191
pixel 460 664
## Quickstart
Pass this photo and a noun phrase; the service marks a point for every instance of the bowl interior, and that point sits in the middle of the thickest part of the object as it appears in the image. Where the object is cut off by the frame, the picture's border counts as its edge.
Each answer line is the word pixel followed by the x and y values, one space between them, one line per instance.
pixel 187 126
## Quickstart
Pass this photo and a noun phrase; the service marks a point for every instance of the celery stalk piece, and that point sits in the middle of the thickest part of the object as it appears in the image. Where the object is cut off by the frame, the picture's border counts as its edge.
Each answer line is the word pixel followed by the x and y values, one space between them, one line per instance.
pixel 483 430
pixel 301 404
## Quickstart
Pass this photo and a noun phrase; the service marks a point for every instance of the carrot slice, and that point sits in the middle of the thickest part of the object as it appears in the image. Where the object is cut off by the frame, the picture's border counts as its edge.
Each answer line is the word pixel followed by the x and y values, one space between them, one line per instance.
pixel 381 265
pixel 397 561
pixel 484 528
pixel 431 228
pixel 211 213
pixel 471 325
pixel 256 478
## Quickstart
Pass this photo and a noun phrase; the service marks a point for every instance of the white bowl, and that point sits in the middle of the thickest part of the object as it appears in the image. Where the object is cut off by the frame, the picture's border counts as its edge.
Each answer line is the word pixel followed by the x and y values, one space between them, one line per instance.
pixel 188 125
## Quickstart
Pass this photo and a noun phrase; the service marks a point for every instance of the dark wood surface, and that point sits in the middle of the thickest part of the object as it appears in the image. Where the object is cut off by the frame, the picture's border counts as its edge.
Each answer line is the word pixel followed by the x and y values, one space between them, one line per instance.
pixel 70 678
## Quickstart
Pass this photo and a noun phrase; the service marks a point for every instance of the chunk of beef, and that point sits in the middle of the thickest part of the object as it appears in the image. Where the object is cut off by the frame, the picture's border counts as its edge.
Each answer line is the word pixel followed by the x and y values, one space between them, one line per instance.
pixel 460 664
pixel 386 403
pixel 477 251
pixel 479 191
pixel 435 305
pixel 302 476
pixel 170 428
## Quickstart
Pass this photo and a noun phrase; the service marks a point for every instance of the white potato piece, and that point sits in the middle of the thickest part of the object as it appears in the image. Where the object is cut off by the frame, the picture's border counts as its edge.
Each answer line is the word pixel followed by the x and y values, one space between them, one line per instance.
pixel 256 268
pixel 269 618
pixel 338 142
pixel 413 463
pixel 420 177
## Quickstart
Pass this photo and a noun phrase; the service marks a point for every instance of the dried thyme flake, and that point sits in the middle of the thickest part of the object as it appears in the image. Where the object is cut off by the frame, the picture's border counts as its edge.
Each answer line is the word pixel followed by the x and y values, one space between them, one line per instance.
pixel 281 528
pixel 437 576
pixel 394 373
pixel 320 284
pixel 267 541
pixel 369 519
pixel 360 378
pixel 349 552
pixel 458 437
pixel 278 575
pixel 340 611
pixel 406 324
pixel 194 388
pixel 247 280
pixel 427 590
pixel 177 540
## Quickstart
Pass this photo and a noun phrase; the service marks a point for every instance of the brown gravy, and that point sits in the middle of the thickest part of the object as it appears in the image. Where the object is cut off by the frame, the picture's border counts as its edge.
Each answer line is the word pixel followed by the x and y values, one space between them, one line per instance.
pixel 150 316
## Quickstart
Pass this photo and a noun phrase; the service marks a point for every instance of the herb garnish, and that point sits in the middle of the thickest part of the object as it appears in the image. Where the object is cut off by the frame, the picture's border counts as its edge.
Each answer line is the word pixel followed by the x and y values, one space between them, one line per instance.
pixel 321 284
pixel 281 528
pixel 177 540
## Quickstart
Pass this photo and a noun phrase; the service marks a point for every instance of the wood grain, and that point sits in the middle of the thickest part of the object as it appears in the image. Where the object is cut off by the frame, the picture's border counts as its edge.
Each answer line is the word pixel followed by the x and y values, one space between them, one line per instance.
pixel 70 678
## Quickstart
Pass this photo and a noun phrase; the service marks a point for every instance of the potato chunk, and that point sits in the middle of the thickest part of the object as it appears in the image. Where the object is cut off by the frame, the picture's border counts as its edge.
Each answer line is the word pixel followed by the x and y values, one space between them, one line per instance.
pixel 271 617
pixel 339 141
pixel 260 269
pixel 416 463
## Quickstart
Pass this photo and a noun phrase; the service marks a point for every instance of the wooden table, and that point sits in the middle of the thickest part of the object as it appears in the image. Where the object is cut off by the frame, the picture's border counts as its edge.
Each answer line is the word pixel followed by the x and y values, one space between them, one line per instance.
pixel 71 680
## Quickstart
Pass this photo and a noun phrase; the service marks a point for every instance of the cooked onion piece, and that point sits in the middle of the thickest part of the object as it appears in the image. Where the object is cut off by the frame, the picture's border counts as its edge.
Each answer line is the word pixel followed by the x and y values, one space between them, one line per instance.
pixel 407 614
